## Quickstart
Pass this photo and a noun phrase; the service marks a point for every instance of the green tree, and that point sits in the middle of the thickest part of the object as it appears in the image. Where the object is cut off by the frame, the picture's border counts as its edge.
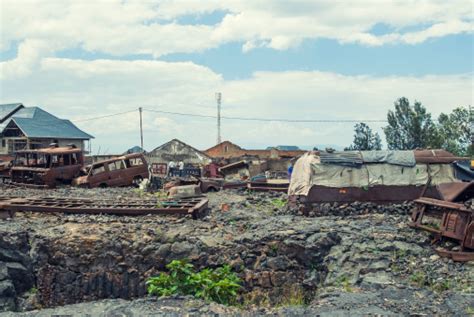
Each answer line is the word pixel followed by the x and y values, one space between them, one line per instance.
pixel 365 139
pixel 455 131
pixel 410 127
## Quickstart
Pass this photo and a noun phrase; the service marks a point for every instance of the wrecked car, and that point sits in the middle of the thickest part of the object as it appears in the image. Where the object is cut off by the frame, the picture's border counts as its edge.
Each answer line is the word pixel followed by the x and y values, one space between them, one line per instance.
pixel 46 167
pixel 127 170
pixel 205 184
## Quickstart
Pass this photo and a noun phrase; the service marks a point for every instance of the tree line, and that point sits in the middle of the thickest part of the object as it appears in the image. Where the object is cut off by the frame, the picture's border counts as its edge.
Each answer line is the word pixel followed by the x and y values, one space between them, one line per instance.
pixel 412 127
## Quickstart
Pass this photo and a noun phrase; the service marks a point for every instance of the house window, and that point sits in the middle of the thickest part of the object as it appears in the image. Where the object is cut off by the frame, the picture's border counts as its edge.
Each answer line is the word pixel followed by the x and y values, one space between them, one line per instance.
pixel 4 143
pixel 226 148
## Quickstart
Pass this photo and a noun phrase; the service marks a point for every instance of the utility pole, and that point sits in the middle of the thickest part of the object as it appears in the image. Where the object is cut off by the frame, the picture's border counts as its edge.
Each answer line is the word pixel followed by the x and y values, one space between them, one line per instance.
pixel 218 99
pixel 140 110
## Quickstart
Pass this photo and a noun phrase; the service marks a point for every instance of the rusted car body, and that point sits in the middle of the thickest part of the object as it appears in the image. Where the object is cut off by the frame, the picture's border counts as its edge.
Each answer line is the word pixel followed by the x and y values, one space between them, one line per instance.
pixel 447 218
pixel 43 168
pixel 206 184
pixel 125 170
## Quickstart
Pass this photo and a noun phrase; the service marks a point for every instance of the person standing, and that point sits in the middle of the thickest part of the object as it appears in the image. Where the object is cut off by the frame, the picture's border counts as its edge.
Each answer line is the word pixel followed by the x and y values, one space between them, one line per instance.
pixel 171 168
pixel 181 168
pixel 290 170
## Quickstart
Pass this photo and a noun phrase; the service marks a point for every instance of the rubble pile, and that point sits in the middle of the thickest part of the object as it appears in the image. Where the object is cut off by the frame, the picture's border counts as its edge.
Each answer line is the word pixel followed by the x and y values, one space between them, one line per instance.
pixel 354 208
pixel 345 260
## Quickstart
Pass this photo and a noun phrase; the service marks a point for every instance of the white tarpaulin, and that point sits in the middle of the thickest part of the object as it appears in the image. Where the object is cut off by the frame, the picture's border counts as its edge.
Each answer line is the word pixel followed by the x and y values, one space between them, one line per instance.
pixel 308 171
pixel 302 174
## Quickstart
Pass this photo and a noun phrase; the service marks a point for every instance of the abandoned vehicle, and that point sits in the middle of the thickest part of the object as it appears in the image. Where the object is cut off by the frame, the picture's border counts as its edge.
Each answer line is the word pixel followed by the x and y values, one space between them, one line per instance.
pixel 130 169
pixel 46 167
pixel 378 176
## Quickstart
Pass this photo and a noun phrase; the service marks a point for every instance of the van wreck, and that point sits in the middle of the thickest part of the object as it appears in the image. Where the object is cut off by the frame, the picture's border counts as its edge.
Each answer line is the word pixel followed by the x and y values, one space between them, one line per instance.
pixel 126 170
pixel 46 167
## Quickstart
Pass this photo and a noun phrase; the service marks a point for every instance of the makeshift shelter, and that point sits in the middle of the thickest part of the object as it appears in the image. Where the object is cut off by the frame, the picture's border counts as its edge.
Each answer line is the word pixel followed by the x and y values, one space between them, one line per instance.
pixel 383 176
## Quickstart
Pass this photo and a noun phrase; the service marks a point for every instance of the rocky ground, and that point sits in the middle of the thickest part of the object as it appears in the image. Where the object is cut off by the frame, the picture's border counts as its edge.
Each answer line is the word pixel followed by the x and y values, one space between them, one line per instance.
pixel 357 259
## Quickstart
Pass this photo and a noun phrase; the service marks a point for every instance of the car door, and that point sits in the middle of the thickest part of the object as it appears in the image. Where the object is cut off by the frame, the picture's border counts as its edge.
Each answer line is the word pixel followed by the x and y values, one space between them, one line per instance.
pixel 98 175
pixel 116 173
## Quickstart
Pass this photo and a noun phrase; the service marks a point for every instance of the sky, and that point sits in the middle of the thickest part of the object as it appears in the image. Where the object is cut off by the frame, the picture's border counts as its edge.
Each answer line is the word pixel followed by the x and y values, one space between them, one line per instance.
pixel 84 60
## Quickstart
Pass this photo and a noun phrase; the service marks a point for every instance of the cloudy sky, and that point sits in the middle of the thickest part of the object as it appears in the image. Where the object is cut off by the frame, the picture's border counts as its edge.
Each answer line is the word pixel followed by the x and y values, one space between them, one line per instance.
pixel 277 59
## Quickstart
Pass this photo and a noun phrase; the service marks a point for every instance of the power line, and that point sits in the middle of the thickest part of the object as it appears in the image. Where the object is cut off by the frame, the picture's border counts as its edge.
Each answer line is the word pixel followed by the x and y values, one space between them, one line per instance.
pixel 106 116
pixel 264 119
pixel 186 114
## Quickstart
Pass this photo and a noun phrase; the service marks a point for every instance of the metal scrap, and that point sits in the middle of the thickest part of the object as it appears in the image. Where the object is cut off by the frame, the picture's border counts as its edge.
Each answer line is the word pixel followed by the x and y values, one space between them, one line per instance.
pixel 181 207
pixel 457 223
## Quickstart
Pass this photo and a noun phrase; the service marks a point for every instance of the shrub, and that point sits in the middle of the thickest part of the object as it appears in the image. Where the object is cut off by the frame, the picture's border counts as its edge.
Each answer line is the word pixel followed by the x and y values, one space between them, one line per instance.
pixel 219 285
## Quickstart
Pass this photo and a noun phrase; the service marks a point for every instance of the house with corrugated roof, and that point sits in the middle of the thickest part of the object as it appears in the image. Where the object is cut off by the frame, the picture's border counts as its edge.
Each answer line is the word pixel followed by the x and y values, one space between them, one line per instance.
pixel 33 128
pixel 176 151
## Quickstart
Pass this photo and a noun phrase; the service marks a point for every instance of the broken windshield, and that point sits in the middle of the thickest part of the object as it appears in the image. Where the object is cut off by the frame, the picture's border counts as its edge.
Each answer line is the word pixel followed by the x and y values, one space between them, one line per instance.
pixel 39 160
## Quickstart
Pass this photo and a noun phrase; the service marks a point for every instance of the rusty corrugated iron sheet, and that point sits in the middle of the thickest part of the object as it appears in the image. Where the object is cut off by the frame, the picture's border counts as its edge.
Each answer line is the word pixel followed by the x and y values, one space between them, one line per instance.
pixel 456 191
pixel 435 157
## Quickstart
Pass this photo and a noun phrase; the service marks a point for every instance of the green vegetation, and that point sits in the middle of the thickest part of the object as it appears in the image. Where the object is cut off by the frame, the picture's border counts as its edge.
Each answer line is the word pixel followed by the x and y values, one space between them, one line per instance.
pixel 343 281
pixel 33 290
pixel 219 285
pixel 419 278
pixel 279 203
pixel 295 297
pixel 273 249
pixel 410 127
pixel 364 139
pixel 470 310
pixel 162 195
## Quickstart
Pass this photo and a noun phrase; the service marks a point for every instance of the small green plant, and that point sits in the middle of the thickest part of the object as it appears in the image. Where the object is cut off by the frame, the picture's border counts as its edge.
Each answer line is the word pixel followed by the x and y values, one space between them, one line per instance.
pixel 470 310
pixel 140 192
pixel 343 281
pixel 273 248
pixel 162 195
pixel 419 278
pixel 434 225
pixel 295 297
pixel 400 254
pixel 33 290
pixel 441 286
pixel 219 285
pixel 279 203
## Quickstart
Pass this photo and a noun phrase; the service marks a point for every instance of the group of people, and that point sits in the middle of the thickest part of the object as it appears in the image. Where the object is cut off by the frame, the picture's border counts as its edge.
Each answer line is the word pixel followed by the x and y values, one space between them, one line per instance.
pixel 173 167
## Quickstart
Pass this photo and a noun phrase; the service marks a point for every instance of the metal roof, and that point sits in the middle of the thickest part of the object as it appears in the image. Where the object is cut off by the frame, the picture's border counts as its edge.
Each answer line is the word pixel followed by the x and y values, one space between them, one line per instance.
pixel 37 123
pixel 284 148
pixel 53 150
pixel 6 110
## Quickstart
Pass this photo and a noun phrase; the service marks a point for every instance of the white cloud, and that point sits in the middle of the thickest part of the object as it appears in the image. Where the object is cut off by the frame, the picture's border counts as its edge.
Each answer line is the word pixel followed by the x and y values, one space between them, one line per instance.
pixel 150 27
pixel 78 89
